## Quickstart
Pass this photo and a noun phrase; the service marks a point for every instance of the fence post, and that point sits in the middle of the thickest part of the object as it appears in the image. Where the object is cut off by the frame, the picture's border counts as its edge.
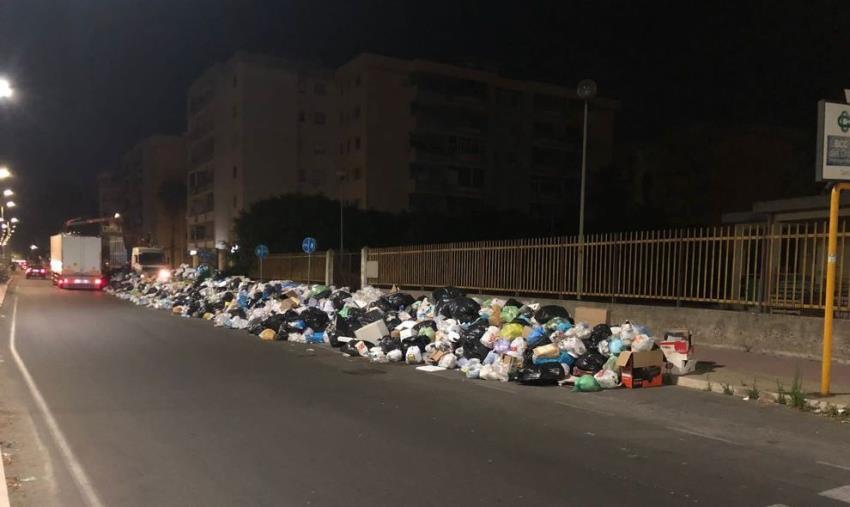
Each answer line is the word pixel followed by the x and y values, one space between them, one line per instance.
pixel 329 267
pixel 364 257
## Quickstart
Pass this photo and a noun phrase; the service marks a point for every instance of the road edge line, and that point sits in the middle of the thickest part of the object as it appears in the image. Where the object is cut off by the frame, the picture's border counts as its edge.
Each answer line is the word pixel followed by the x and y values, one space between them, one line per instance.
pixel 74 466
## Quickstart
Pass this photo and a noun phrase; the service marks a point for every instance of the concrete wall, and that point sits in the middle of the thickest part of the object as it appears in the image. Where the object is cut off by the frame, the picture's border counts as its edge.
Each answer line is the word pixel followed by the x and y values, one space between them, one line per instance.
pixel 788 335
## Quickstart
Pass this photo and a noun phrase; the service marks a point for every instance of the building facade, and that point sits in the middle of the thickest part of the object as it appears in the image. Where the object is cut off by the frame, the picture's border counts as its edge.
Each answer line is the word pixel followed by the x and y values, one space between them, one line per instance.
pixel 154 207
pixel 257 127
pixel 424 136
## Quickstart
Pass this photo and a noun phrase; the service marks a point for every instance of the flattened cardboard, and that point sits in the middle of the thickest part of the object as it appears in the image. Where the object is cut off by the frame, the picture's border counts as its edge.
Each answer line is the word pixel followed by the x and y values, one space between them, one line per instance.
pixel 592 316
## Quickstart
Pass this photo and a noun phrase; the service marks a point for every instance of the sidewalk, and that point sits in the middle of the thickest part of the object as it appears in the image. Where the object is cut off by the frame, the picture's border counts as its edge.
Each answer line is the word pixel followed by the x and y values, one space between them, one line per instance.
pixel 737 369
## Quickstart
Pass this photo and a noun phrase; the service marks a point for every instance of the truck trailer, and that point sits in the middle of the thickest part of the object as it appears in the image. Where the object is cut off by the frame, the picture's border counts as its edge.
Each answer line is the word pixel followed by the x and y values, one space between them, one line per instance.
pixel 75 261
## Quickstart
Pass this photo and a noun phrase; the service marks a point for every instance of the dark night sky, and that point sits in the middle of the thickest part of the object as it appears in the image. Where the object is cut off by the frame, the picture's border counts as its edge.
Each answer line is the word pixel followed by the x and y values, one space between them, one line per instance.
pixel 94 76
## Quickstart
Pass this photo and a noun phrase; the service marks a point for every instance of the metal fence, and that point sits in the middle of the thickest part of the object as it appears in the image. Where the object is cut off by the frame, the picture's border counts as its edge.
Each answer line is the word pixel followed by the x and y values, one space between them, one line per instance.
pixel 781 266
pixel 294 267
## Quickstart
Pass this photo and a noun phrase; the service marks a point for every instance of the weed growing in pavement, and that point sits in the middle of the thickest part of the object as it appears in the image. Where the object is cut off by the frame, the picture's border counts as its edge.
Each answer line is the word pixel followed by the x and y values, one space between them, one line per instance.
pixel 832 411
pixel 780 394
pixel 727 389
pixel 753 392
pixel 798 397
pixel 708 383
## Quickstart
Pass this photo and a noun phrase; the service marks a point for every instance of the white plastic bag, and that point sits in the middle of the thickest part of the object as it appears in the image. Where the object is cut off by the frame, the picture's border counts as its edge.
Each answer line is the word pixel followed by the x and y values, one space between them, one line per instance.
pixel 607 379
pixel 642 343
pixel 573 345
pixel 413 355
pixel 448 361
pixel 395 356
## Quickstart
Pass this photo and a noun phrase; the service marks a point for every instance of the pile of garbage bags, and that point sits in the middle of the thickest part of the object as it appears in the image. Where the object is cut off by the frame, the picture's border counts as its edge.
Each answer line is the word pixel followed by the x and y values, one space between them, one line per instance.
pixel 489 339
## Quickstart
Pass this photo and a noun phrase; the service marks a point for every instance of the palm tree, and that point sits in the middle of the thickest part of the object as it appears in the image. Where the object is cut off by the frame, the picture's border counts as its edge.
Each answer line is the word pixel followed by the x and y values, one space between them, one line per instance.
pixel 172 196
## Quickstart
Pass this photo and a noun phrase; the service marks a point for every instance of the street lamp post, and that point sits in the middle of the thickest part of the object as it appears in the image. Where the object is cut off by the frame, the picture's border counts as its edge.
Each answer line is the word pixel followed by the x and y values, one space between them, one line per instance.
pixel 586 90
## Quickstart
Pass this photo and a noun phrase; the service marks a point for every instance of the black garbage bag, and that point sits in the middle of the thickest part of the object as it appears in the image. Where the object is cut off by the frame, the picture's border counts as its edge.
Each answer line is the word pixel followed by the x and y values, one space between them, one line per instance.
pixel 315 319
pixel 237 312
pixel 420 341
pixel 463 309
pixel 338 299
pixel 383 304
pixel 227 297
pixel 512 302
pixel 194 307
pixel 348 348
pixel 292 323
pixel 549 312
pixel 528 357
pixel 388 343
pixel 470 340
pixel 366 318
pixel 541 375
pixel 591 361
pixel 429 323
pixel 392 320
pixel 597 334
pixel 399 301
pixel 322 295
pixel 525 315
pixel 446 293
pixel 274 321
pixel 256 328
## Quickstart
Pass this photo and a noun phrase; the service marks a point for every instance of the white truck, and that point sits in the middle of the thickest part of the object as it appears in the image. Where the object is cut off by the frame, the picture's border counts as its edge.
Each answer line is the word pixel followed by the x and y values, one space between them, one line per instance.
pixel 75 261
pixel 150 262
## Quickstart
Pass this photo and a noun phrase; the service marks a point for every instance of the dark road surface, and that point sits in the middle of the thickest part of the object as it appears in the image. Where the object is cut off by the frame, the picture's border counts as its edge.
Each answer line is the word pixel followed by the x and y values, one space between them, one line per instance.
pixel 160 411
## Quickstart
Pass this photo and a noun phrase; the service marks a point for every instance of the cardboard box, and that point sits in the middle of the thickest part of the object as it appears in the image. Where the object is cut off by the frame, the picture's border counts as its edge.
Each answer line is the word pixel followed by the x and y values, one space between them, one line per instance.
pixel 592 316
pixel 372 332
pixel 641 369
pixel 513 363
pixel 678 351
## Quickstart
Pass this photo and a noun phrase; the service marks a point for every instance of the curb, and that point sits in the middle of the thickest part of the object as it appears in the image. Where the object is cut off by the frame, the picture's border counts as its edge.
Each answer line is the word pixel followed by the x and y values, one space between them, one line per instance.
pixel 741 391
pixel 4 288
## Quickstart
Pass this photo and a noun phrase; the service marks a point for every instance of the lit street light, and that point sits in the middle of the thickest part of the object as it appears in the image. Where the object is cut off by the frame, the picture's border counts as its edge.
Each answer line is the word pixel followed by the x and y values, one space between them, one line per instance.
pixel 116 216
pixel 8 193
pixel 6 90
pixel 5 172
pixel 14 220
pixel 33 247
pixel 10 204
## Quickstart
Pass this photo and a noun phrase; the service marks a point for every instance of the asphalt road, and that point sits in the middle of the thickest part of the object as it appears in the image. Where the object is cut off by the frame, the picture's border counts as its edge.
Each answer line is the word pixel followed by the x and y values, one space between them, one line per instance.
pixel 158 410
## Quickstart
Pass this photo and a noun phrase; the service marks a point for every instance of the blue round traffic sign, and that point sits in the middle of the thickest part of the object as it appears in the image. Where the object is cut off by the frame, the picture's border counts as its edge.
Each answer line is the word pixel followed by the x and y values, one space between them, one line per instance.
pixel 261 251
pixel 308 245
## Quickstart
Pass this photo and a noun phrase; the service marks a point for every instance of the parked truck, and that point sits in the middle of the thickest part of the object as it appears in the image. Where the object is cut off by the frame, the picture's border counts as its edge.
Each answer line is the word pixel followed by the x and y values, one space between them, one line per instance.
pixel 75 261
pixel 150 261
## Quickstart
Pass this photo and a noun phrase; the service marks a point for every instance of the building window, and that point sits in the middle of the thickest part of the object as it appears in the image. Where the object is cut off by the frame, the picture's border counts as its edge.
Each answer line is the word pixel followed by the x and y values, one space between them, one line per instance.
pixel 235 171
pixel 357 112
pixel 319 89
pixel 301 117
pixel 356 173
pixel 356 143
pixel 319 118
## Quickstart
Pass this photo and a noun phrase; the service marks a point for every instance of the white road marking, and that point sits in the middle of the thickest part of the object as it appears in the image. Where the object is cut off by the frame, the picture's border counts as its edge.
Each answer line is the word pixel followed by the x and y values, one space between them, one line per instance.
pixel 833 465
pixel 778 505
pixel 703 435
pixel 74 466
pixel 495 387
pixel 842 494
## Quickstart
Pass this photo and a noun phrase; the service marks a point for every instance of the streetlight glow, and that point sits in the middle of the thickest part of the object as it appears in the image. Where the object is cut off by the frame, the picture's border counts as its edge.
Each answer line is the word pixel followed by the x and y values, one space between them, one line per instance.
pixel 116 216
pixel 8 192
pixel 10 204
pixel 6 90
pixel 5 172
pixel 33 247
pixel 14 220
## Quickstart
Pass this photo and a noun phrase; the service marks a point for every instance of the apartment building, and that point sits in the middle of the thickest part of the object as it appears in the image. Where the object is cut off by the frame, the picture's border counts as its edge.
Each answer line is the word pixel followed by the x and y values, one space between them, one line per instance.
pixel 257 127
pixel 153 175
pixel 419 135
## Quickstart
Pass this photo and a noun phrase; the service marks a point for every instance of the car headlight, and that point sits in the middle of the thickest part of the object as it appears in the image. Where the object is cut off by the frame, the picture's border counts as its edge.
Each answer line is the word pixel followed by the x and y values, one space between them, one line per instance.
pixel 164 275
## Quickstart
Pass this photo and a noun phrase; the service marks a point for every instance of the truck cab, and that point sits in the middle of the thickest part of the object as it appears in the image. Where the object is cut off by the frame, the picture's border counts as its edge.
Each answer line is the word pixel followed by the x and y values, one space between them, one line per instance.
pixel 150 262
